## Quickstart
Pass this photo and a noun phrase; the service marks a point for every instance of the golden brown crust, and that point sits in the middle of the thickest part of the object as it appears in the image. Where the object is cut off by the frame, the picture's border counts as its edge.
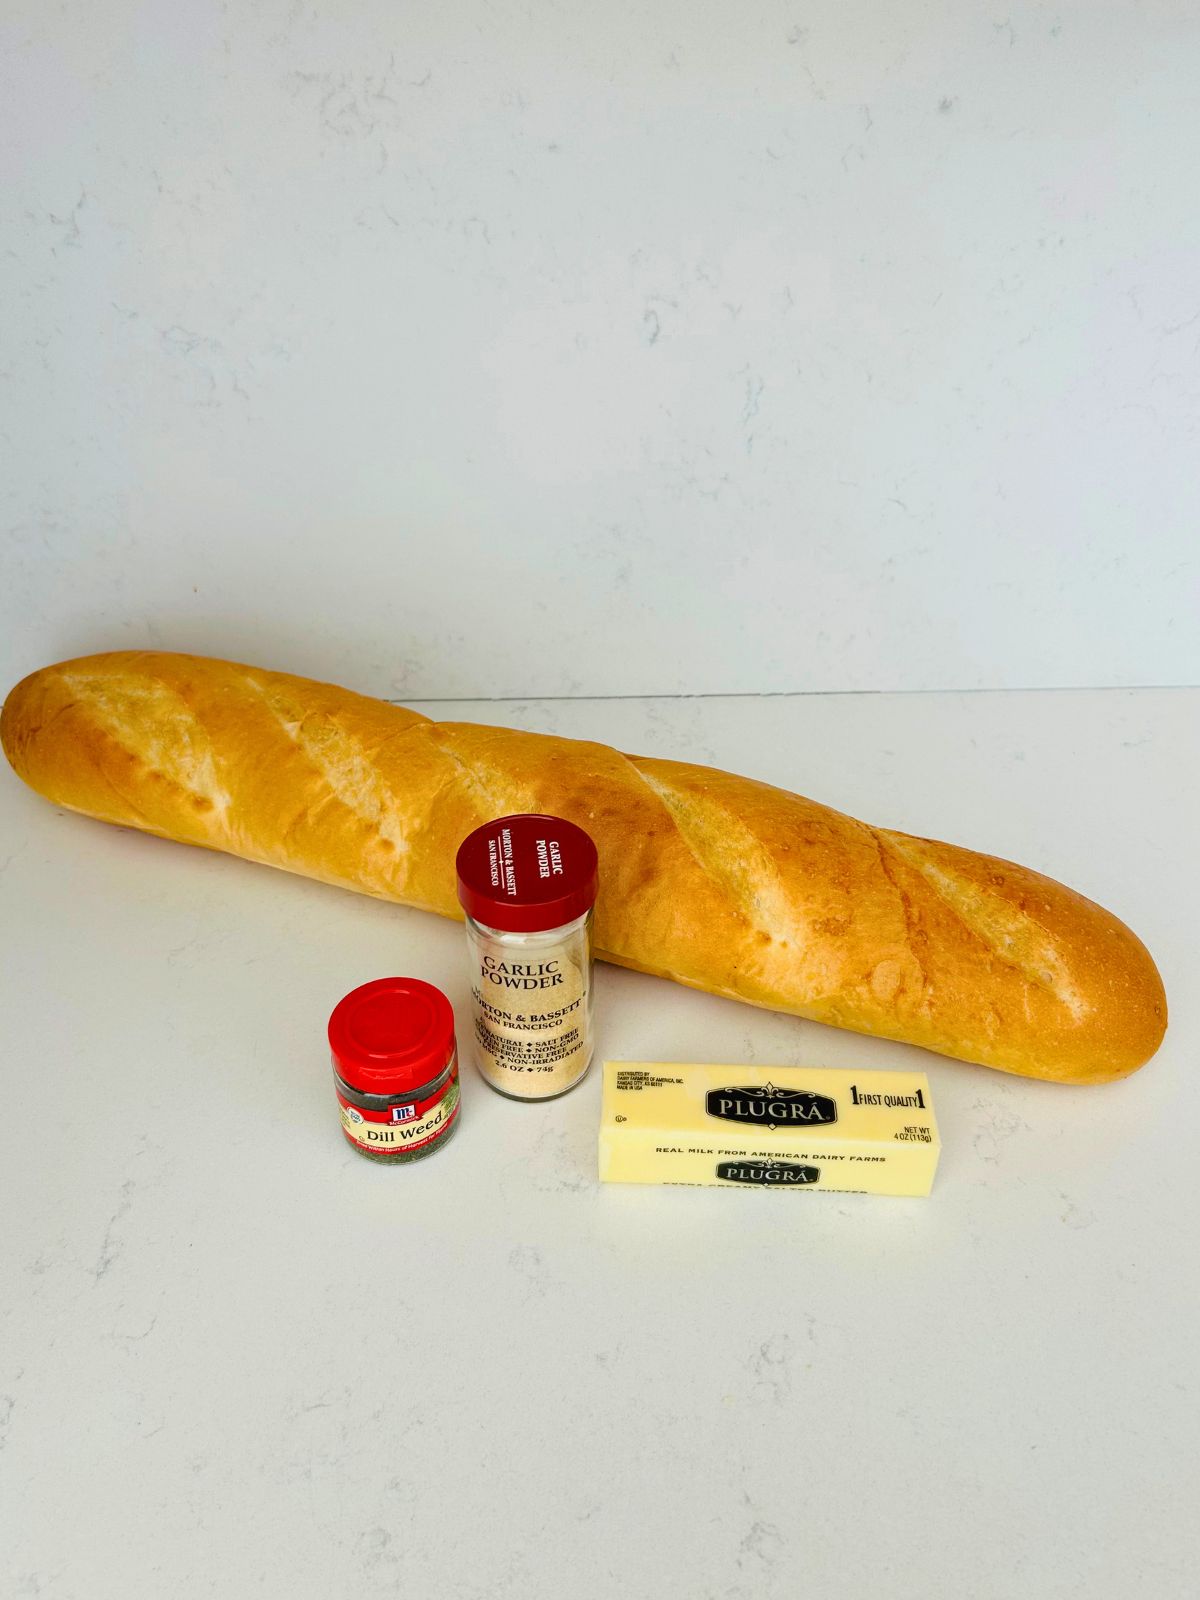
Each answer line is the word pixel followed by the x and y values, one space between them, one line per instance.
pixel 717 881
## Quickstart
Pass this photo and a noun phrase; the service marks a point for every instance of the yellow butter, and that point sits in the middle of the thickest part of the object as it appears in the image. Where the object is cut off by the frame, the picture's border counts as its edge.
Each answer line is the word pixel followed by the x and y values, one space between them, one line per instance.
pixel 767 1127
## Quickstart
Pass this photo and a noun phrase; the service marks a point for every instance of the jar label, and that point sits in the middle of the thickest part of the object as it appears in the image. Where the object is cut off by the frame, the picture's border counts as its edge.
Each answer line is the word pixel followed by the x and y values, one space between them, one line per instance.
pixel 531 1017
pixel 409 1126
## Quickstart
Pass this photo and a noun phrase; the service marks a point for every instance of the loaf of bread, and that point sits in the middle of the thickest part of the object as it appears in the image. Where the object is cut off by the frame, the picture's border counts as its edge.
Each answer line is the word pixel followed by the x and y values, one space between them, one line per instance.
pixel 716 881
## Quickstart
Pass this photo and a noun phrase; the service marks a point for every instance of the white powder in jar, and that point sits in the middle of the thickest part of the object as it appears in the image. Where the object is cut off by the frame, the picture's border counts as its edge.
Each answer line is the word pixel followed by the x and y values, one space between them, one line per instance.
pixel 531 1000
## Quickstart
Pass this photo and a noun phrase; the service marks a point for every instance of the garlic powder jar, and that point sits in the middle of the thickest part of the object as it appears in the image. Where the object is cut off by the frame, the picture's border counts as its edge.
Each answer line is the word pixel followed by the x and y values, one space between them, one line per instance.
pixel 528 885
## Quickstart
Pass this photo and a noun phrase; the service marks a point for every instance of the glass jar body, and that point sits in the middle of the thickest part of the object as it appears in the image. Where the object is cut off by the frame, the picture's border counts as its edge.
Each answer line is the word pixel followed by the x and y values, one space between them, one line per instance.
pixel 397 1129
pixel 531 1007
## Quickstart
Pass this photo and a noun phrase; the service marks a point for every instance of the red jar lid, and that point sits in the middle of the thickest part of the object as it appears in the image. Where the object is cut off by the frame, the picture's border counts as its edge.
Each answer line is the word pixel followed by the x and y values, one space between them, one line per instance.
pixel 391 1036
pixel 526 873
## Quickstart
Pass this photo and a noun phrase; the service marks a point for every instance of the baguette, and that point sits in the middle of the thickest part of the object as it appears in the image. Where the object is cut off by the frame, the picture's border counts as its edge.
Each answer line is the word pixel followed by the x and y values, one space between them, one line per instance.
pixel 716 881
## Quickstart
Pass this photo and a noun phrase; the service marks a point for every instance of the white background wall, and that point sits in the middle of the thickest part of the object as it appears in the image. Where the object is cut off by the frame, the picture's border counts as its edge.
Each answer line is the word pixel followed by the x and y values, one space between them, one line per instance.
pixel 574 348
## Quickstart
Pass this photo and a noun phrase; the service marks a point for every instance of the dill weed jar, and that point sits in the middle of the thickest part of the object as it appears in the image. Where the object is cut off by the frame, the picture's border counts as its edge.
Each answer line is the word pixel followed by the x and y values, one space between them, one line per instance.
pixel 528 884
pixel 395 1068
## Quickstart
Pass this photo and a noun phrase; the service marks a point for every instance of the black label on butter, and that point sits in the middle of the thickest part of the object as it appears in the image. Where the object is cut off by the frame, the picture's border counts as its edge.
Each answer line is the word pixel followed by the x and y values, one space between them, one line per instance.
pixel 765 1106
pixel 781 1174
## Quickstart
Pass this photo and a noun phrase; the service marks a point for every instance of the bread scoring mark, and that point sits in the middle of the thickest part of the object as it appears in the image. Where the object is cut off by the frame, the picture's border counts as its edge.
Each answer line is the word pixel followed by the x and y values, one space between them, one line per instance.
pixel 172 745
pixel 348 769
pixel 886 985
pixel 1011 935
pixel 736 860
pixel 490 799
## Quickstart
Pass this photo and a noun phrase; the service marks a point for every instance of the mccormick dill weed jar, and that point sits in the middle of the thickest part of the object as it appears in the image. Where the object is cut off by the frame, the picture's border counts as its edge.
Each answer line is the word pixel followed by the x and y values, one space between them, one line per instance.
pixel 395 1068
pixel 528 884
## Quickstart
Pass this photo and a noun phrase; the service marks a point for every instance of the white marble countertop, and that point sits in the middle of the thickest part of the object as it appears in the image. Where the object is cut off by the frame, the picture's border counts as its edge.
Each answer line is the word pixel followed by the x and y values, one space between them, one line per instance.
pixel 238 1360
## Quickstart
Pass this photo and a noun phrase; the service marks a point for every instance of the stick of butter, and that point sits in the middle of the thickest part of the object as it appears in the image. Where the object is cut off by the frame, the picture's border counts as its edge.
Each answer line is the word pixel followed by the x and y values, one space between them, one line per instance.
pixel 767 1127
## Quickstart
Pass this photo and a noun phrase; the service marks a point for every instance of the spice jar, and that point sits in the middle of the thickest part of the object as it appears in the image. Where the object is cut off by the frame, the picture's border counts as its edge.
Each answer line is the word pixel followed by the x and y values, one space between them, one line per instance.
pixel 395 1068
pixel 528 884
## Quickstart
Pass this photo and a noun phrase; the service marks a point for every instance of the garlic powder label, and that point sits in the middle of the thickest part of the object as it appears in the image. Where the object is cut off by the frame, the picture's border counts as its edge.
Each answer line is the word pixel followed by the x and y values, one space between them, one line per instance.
pixel 530 1013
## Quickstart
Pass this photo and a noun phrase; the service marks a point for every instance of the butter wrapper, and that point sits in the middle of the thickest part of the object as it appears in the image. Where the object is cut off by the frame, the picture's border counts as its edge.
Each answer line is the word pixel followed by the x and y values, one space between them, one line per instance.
pixel 768 1128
